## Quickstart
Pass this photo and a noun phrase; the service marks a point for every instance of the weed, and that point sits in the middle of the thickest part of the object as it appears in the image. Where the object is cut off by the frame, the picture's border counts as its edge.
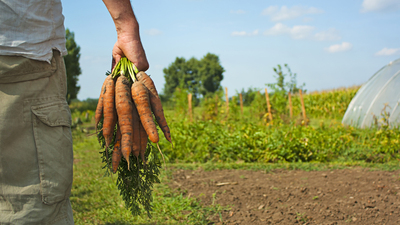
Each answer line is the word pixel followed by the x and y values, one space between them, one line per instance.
pixel 214 195
pixel 301 217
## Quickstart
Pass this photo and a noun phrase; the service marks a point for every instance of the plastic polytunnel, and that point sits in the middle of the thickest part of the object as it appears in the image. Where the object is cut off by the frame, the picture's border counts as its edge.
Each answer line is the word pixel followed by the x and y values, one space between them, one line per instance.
pixel 377 101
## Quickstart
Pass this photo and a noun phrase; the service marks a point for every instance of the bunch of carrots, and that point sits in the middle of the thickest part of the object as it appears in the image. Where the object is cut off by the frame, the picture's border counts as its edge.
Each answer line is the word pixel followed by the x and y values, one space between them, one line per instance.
pixel 127 103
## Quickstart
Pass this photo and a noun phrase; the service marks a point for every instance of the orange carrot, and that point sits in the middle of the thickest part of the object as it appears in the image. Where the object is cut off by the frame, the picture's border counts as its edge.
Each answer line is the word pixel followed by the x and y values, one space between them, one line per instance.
pixel 110 117
pixel 116 154
pixel 143 142
pixel 148 82
pixel 136 132
pixel 155 103
pixel 124 107
pixel 141 100
pixel 99 108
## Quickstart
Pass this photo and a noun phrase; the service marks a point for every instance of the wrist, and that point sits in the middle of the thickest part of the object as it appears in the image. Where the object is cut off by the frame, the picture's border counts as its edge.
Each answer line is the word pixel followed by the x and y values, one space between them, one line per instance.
pixel 123 17
pixel 127 27
pixel 126 36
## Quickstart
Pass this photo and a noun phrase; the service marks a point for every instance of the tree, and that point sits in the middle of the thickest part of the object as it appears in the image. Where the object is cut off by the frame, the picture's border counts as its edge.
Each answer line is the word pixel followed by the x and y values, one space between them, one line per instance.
pixel 281 85
pixel 182 74
pixel 199 77
pixel 210 74
pixel 72 65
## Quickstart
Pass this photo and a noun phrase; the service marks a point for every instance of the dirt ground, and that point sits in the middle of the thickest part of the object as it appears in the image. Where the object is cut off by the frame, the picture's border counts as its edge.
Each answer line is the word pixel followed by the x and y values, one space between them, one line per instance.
pixel 349 196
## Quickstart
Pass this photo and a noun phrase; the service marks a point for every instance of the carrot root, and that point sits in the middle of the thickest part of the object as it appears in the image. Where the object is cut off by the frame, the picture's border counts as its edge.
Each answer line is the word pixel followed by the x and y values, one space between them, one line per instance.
pixel 110 117
pixel 155 103
pixel 141 100
pixel 124 106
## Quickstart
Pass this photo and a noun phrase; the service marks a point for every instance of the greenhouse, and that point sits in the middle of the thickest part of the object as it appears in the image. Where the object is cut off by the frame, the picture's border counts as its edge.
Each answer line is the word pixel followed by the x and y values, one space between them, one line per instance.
pixel 377 101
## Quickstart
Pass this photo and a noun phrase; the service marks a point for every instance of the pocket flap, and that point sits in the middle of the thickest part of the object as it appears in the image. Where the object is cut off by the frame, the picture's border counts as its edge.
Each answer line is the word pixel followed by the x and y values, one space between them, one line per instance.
pixel 53 114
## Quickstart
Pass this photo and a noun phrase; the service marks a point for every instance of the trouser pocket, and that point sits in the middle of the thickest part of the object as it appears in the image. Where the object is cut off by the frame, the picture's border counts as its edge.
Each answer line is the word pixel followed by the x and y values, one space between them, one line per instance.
pixel 53 140
pixel 14 69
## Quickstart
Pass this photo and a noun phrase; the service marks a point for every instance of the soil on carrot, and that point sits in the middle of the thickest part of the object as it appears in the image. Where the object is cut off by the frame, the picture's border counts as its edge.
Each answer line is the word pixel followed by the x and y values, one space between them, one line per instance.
pixel 346 196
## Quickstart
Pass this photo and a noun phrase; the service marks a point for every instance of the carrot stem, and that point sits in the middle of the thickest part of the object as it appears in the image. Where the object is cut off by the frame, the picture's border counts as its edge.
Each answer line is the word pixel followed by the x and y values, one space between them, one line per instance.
pixel 125 68
pixel 131 71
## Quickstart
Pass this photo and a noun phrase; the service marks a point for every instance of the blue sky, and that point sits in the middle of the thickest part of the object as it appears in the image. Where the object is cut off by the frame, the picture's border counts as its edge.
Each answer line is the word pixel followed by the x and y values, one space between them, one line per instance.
pixel 328 44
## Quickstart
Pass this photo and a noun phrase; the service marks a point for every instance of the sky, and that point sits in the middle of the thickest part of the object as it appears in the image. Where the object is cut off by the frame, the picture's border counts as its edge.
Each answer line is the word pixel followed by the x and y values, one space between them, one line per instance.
pixel 328 44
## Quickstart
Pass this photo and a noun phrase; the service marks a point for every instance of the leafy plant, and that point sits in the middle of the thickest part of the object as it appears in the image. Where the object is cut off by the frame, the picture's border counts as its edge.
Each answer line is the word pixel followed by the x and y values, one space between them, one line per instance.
pixel 219 141
pixel 212 106
pixel 180 101
pixel 279 91
pixel 249 95
pixel 258 106
pixel 281 84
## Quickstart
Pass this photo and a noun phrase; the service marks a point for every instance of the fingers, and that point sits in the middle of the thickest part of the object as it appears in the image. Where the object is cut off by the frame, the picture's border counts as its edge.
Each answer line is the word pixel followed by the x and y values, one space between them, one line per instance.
pixel 133 50
pixel 113 63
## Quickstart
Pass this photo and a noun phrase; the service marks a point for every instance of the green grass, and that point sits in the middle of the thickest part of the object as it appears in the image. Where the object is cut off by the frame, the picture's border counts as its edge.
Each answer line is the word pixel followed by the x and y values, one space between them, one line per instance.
pixel 95 197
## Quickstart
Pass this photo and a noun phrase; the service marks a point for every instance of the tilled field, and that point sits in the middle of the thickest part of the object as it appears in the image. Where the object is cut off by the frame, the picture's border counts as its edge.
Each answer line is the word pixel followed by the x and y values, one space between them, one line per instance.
pixel 348 196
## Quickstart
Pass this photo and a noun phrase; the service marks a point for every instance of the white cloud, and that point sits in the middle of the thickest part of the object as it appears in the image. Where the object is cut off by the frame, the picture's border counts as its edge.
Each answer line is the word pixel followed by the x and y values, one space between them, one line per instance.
pixel 244 33
pixel 153 32
pixel 345 46
pixel 238 11
pixel 380 5
pixel 284 13
pixel 388 51
pixel 329 35
pixel 303 32
pixel 296 32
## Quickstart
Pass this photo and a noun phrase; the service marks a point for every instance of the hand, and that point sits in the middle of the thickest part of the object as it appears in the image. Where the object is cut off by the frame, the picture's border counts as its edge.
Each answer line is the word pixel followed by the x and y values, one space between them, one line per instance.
pixel 132 48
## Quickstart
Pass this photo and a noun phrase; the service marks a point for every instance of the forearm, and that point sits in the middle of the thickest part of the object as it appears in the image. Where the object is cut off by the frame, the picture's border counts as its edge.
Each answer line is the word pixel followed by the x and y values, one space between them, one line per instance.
pixel 128 43
pixel 123 17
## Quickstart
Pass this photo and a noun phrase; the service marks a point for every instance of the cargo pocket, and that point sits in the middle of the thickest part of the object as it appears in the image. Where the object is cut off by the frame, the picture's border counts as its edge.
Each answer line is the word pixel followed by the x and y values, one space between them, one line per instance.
pixel 53 140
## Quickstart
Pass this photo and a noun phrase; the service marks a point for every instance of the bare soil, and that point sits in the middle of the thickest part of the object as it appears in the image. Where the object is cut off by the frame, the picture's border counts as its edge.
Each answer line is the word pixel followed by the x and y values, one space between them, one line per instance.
pixel 347 196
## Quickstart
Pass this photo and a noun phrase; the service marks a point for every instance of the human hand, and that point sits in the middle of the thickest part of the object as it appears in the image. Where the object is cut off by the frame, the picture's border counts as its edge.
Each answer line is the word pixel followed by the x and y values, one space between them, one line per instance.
pixel 131 48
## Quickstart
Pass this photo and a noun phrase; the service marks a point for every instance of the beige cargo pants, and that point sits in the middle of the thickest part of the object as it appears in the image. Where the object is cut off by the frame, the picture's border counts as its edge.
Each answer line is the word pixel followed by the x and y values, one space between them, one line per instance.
pixel 35 142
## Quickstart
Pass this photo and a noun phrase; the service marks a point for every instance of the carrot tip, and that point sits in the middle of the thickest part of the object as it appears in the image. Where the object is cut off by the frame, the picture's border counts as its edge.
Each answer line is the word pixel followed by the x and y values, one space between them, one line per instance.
pixel 158 146
pixel 142 156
